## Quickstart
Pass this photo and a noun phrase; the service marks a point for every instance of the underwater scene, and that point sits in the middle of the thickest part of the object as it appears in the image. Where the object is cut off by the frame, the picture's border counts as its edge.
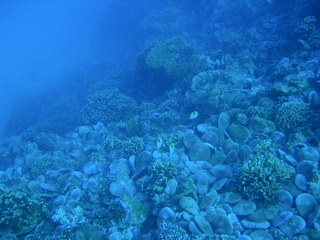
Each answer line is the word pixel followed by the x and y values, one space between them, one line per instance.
pixel 160 120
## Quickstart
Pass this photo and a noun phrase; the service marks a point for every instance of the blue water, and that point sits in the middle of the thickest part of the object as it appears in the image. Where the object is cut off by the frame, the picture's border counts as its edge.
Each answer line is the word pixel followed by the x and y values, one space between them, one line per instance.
pixel 132 119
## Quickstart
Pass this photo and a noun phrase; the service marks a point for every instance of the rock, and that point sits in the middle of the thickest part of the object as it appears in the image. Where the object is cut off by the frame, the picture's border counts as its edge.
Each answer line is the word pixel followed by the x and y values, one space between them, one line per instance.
pixel 171 187
pixel 189 205
pixel 244 152
pixel 95 137
pixel 244 208
pixel 315 190
pixel 210 137
pixel 223 225
pixel 301 182
pixel 193 167
pixel 217 158
pixel 255 225
pixel 230 197
pixel 244 237
pixel 84 130
pixel 223 121
pixel 200 152
pixel 90 168
pixel 229 144
pixel 143 160
pixel 278 138
pixel 313 219
pixel 119 168
pixel 34 187
pixel 214 212
pixel 221 171
pixel 261 235
pixel 308 153
pixel 48 187
pixel 285 200
pixel 232 157
pixel 262 125
pixel 166 215
pixel 239 133
pixel 205 127
pixel 282 218
pixel 305 204
pixel 122 187
pixel 306 168
pixel 74 194
pixel 293 226
pixel 210 199
pixel 267 213
pixel 190 140
pixel 313 99
pixel 59 201
pixel 203 225
pixel 218 185
pixel 193 228
pixel 203 184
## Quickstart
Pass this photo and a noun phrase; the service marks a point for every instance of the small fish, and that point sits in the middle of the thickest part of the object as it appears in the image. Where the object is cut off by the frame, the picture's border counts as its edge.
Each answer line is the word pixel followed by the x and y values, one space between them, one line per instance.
pixel 194 115
pixel 171 148
pixel 159 142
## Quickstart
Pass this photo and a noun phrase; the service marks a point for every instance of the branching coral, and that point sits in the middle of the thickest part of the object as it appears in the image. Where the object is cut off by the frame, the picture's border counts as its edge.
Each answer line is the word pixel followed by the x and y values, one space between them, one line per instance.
pixel 291 116
pixel 156 181
pixel 19 210
pixel 262 176
pixel 134 146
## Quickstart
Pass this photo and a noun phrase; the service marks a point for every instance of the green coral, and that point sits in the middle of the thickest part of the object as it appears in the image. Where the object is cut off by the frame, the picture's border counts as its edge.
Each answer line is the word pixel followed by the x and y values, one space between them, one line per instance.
pixel 292 116
pixel 108 106
pixel 134 146
pixel 133 126
pixel 42 163
pixel 175 139
pixel 262 176
pixel 292 84
pixel 19 210
pixel 114 214
pixel 155 182
pixel 174 57
pixel 169 231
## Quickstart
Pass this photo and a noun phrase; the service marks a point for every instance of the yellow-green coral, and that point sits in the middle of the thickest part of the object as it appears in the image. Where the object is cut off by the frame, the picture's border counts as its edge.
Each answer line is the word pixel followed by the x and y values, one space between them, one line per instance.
pixel 262 176
pixel 175 139
pixel 156 181
pixel 134 146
